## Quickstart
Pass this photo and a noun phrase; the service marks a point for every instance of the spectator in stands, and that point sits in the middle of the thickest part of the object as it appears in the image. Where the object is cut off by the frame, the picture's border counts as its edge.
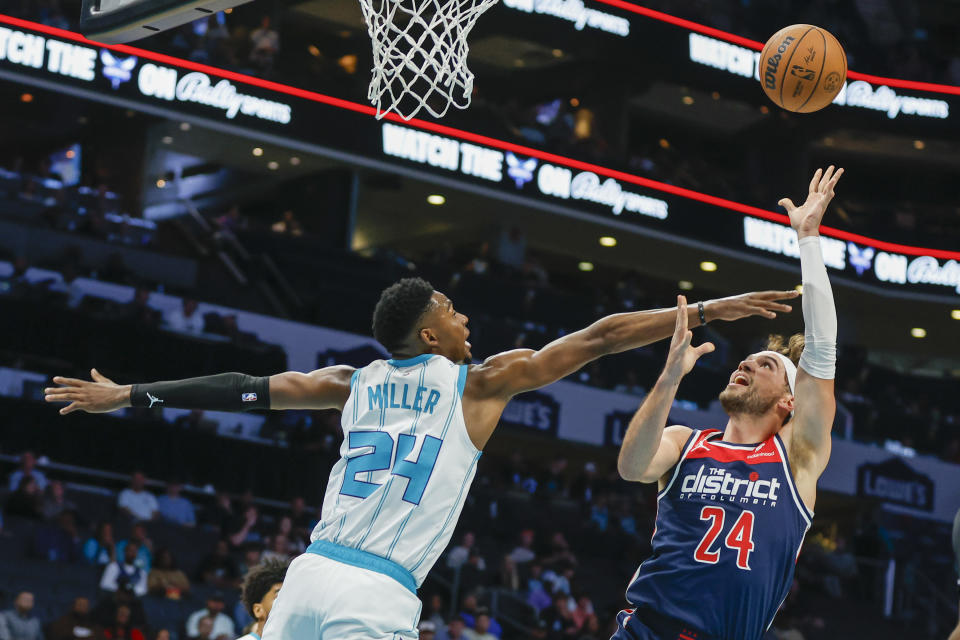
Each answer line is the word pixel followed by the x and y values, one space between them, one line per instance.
pixel 470 611
pixel 26 501
pixel 139 310
pixel 138 536
pixel 266 44
pixel 175 508
pixel 287 225
pixel 434 614
pixel 27 468
pixel 55 501
pixel 260 588
pixel 509 576
pixel 582 611
pixel 125 573
pixel 165 579
pixel 473 573
pixel 279 550
pixel 252 556
pixel 590 630
pixel 122 628
pixel 101 549
pixel 537 595
pixel 302 520
pixel 459 554
pixel 136 502
pixel 600 515
pixel 76 624
pixel 299 514
pixel 247 528
pixel 559 617
pixel 17 623
pixel 456 628
pixel 427 629
pixel 221 514
pixel 296 541
pixel 523 552
pixel 218 568
pixel 204 629
pixel 560 553
pixel 162 634
pixel 481 628
pixel 222 624
pixel 186 319
pixel 60 542
pixel 559 580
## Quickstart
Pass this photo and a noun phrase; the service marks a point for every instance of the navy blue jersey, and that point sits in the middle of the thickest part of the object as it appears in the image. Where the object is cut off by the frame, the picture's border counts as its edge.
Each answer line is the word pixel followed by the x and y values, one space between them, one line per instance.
pixel 728 532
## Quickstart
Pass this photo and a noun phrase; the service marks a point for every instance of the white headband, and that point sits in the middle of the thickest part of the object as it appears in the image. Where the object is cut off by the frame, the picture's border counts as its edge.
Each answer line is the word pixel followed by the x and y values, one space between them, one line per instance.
pixel 788 366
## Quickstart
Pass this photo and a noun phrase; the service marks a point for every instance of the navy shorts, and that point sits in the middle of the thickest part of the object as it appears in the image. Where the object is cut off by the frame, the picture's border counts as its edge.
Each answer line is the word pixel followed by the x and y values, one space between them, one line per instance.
pixel 644 624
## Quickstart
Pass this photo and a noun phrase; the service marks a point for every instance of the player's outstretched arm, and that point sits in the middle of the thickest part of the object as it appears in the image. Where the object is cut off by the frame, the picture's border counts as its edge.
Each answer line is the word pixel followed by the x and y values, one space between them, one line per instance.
pixel 814 398
pixel 326 388
pixel 649 450
pixel 507 374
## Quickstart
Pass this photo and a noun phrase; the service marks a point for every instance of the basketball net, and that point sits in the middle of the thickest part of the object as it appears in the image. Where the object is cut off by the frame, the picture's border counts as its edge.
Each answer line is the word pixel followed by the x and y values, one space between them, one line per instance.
pixel 420 54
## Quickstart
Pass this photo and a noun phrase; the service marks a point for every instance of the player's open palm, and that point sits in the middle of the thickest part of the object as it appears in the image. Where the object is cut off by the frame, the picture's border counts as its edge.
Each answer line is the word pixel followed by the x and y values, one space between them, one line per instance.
pixel 806 218
pixel 101 395
pixel 683 355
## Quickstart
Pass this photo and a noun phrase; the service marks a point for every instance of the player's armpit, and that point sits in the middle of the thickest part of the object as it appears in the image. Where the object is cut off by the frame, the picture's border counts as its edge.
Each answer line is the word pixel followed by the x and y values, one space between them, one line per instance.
pixel 326 388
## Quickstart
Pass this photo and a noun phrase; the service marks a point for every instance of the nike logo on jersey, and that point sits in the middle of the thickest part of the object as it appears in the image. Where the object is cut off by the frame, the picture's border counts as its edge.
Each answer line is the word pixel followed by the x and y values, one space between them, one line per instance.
pixel 153 400
pixel 720 483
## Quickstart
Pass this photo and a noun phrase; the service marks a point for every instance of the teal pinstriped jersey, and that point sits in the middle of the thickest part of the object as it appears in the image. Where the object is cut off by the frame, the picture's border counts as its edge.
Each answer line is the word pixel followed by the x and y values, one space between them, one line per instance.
pixel 406 462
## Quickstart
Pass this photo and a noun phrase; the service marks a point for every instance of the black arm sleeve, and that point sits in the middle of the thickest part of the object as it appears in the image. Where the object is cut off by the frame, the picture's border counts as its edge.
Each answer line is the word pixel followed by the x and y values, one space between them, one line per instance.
pixel 222 392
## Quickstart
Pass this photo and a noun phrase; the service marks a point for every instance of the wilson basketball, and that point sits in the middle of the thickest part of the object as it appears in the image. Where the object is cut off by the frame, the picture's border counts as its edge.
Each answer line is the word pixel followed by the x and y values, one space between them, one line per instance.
pixel 802 68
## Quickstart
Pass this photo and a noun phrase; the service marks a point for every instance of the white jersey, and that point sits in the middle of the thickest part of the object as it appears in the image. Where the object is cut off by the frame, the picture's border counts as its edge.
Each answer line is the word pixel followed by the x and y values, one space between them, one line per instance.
pixel 405 465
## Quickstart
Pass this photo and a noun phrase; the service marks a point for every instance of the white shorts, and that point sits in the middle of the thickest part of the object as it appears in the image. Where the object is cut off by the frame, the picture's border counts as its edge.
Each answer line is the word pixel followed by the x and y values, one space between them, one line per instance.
pixel 325 598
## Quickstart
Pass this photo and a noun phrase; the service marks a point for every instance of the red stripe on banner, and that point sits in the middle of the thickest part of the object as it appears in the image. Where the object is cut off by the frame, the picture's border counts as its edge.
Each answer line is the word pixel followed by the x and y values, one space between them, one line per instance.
pixel 756 45
pixel 663 187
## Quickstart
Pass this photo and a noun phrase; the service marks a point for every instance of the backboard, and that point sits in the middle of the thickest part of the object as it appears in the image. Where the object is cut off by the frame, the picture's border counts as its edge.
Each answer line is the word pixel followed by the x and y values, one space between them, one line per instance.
pixel 115 21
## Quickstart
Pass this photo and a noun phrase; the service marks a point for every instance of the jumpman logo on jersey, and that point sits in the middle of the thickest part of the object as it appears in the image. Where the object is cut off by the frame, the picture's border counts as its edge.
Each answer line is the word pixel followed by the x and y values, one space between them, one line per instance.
pixel 153 400
pixel 700 445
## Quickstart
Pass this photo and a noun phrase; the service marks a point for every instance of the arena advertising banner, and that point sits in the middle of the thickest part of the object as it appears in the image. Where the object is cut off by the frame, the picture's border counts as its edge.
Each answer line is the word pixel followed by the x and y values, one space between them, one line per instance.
pixel 135 78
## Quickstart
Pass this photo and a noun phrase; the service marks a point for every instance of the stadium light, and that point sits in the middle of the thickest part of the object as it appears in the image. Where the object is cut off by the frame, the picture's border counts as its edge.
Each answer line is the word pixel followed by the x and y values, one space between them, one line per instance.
pixel 708 266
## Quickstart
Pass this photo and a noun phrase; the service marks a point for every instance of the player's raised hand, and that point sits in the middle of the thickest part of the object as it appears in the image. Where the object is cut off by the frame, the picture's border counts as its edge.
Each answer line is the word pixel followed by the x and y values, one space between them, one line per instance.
pixel 755 303
pixel 683 355
pixel 806 218
pixel 101 395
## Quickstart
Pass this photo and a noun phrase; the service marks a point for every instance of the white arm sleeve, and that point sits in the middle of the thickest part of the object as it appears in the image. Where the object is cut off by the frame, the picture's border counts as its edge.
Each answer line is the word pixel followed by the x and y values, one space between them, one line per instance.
pixel 819 357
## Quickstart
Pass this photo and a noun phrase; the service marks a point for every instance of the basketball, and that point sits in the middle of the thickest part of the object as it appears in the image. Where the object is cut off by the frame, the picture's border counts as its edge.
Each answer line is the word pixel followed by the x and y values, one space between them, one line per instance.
pixel 802 68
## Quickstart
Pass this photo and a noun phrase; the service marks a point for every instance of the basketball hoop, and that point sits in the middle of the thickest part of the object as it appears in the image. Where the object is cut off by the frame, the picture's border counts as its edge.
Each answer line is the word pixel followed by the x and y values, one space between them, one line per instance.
pixel 420 54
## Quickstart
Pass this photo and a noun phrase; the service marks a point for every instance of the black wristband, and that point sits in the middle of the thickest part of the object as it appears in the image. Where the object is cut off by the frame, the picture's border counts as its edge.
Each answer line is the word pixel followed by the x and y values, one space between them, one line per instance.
pixel 703 316
pixel 222 392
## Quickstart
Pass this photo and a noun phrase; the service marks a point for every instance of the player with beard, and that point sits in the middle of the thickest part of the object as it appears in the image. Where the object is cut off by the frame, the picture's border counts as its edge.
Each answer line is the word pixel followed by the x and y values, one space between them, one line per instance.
pixel 734 505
